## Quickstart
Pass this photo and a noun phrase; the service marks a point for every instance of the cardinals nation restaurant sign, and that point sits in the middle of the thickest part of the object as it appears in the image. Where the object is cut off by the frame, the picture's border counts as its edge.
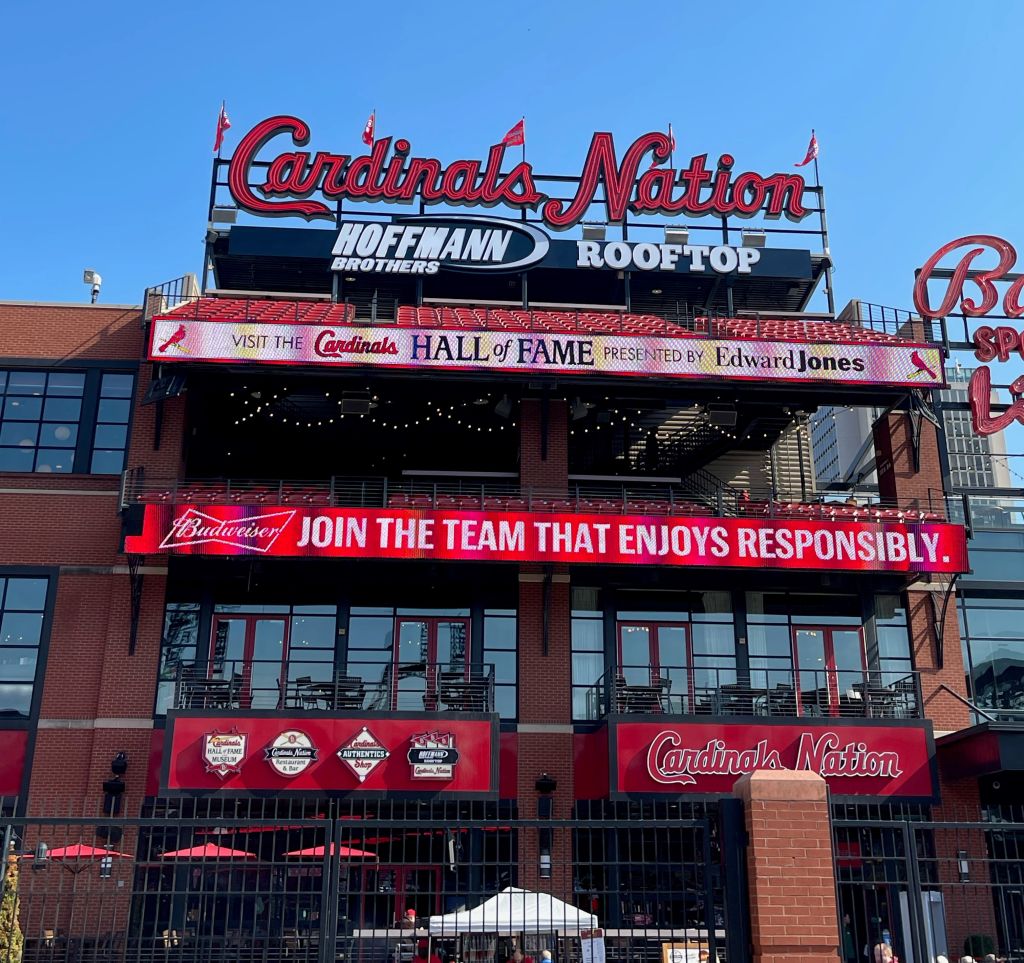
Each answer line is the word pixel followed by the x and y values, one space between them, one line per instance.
pixel 639 182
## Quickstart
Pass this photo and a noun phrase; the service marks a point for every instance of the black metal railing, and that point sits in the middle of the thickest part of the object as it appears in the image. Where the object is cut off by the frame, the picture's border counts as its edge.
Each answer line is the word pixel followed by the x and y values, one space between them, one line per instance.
pixel 691 498
pixel 304 686
pixel 716 691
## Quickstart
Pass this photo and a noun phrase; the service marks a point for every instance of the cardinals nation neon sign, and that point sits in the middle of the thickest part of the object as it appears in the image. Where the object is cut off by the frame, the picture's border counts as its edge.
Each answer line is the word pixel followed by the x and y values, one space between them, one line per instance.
pixel 989 343
pixel 389 173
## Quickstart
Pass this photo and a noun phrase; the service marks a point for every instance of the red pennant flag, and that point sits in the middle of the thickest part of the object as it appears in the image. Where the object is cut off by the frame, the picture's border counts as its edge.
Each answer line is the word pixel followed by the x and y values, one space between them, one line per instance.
pixel 516 136
pixel 671 147
pixel 368 130
pixel 812 151
pixel 222 125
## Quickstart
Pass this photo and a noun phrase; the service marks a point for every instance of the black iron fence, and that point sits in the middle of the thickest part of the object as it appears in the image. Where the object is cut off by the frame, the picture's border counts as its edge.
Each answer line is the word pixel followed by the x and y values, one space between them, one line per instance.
pixel 270 880
pixel 303 685
pixel 931 888
pixel 718 691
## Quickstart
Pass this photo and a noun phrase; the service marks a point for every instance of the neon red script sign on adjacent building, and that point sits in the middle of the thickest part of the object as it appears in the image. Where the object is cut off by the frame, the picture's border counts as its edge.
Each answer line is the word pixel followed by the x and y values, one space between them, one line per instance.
pixel 990 343
pixel 389 172
pixel 550 537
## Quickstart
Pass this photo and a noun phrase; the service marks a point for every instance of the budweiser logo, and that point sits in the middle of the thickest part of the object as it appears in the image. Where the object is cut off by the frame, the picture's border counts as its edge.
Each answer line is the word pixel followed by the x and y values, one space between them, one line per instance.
pixel 669 761
pixel 329 345
pixel 255 533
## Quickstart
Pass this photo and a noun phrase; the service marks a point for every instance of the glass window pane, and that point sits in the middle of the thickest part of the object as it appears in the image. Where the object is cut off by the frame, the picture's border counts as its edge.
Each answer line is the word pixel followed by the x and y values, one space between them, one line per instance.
pixel 586 668
pixel 312 632
pixel 20 628
pixel 671 645
pixel 634 645
pixel 117 386
pixel 15 700
pixel 65 384
pixel 61 460
pixel 107 462
pixel 113 411
pixel 499 633
pixel 505 701
pixel 893 642
pixel 769 640
pixel 62 409
pixel 58 436
pixel 714 640
pixel 110 436
pixel 504 665
pixel 371 632
pixel 588 634
pixel 16 459
pixel 18 665
pixel 3 382
pixel 24 434
pixel 26 383
pixel 26 594
pixel 22 409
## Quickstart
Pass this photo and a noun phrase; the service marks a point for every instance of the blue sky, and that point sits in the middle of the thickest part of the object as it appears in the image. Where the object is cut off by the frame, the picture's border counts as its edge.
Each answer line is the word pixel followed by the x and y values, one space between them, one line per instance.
pixel 109 112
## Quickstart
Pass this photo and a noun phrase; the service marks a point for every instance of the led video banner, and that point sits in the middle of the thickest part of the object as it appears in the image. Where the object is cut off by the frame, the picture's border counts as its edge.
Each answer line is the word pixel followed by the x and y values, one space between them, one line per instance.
pixel 226 342
pixel 440 534
pixel 854 759
pixel 315 752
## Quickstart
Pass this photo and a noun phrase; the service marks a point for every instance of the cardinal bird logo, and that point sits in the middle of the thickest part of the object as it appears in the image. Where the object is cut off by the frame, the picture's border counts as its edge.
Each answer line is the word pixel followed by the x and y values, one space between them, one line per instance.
pixel 174 341
pixel 921 365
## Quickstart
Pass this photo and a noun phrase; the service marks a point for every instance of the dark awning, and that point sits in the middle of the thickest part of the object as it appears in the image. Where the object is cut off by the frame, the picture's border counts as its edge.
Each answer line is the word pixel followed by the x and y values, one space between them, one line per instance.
pixel 983 749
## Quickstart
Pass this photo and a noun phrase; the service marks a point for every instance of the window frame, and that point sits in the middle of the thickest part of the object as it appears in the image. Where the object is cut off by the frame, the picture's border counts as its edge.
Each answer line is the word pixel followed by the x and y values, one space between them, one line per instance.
pixel 82 452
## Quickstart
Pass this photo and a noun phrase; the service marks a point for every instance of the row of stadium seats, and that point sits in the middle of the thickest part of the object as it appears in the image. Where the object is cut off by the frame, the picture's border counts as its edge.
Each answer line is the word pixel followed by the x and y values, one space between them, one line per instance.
pixel 831 511
pixel 211 493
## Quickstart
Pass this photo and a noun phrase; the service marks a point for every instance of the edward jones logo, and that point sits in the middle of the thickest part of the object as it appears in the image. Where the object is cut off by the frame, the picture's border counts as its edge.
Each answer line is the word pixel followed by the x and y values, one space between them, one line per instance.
pixel 257 533
pixel 291 753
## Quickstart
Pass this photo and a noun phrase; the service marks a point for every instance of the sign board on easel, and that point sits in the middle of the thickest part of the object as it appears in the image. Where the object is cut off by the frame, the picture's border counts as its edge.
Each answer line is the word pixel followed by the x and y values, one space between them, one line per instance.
pixel 592 944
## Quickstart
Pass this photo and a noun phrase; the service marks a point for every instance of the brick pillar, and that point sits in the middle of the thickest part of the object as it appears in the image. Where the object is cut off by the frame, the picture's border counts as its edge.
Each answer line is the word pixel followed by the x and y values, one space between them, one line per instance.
pixel 923 490
pixel 793 916
pixel 545 663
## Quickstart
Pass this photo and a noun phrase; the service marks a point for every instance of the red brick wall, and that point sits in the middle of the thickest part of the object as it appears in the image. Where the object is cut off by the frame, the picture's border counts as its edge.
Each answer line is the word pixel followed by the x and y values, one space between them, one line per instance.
pixel 545 690
pixel 89 675
pixel 923 490
pixel 536 471
pixel 791 871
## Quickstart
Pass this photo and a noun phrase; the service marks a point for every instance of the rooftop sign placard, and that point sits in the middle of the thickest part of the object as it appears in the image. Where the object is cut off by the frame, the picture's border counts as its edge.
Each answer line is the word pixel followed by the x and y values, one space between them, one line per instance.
pixel 310 185
pixel 396 347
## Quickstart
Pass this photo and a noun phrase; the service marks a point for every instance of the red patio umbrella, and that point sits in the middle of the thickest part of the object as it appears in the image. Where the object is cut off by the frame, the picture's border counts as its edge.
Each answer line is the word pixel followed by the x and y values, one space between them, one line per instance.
pixel 80 853
pixel 209 851
pixel 335 850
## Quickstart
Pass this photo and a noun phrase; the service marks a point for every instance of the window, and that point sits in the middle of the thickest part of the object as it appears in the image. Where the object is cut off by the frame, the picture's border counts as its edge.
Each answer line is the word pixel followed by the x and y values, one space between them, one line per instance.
pixel 587 652
pixel 39 424
pixel 112 414
pixel 500 651
pixel 268 648
pixel 992 630
pixel 22 606
pixel 894 658
pixel 49 424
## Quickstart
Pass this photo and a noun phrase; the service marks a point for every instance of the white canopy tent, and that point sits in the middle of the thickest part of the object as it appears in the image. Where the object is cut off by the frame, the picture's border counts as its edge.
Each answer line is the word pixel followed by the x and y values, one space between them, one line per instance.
pixel 515 910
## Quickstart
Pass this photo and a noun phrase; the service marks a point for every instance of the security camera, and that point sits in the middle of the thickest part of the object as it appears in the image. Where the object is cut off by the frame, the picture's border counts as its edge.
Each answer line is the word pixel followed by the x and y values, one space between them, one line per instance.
pixel 89 276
